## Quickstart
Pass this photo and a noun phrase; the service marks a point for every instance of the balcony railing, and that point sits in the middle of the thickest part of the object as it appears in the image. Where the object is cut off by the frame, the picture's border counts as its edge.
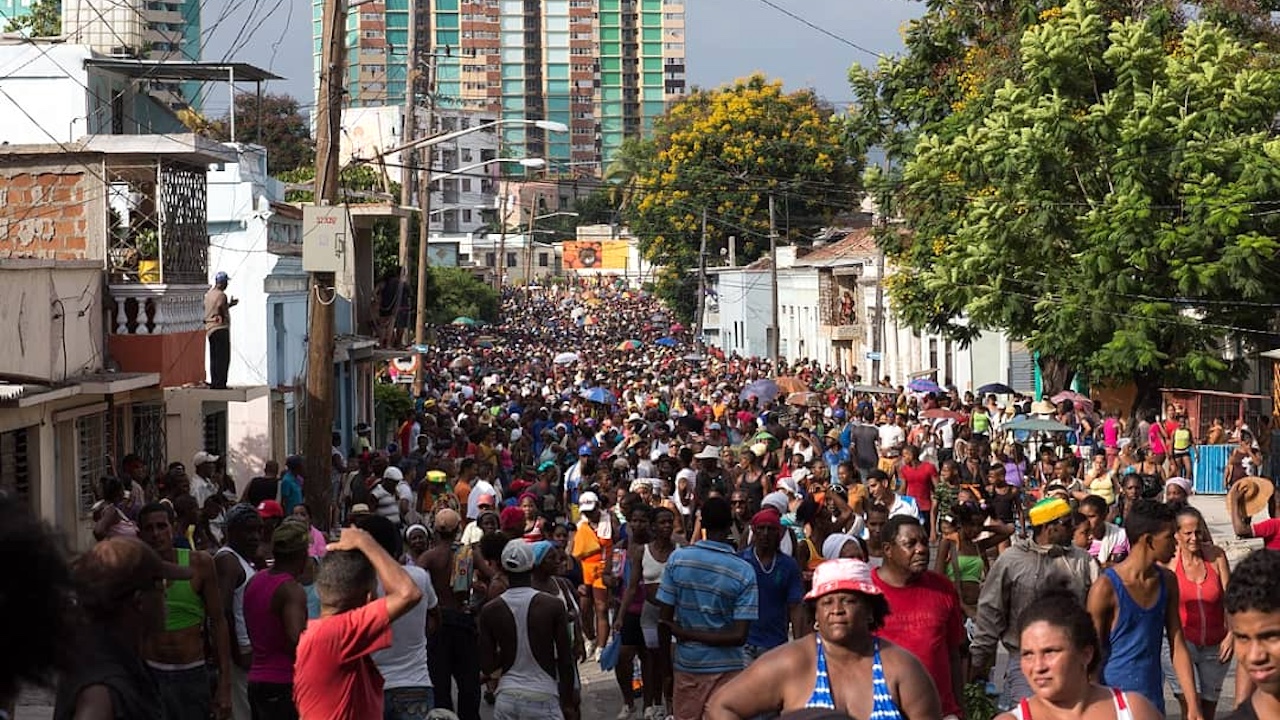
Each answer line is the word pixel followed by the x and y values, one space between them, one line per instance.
pixel 142 309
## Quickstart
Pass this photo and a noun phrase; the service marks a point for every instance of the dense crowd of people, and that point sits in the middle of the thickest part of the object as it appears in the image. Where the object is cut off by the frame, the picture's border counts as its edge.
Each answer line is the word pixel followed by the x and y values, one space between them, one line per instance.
pixel 732 538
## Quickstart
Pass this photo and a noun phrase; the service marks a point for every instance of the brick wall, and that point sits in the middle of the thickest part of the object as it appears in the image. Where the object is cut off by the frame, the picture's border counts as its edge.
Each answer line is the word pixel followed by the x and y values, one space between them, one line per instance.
pixel 49 213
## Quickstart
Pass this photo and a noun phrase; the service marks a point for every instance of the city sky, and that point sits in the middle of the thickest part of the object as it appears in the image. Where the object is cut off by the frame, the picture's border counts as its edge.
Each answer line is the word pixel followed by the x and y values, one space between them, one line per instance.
pixel 726 39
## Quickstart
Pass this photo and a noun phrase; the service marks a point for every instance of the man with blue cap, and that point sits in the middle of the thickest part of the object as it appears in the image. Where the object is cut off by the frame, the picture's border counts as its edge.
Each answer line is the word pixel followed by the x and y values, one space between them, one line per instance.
pixel 217 326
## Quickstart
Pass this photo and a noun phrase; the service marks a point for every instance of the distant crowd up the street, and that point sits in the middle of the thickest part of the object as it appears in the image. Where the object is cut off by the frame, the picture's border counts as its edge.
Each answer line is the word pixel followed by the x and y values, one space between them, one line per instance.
pixel 582 482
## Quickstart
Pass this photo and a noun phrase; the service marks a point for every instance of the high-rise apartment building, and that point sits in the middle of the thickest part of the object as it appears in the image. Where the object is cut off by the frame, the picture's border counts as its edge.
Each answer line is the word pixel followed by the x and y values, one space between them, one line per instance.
pixel 603 68
pixel 151 29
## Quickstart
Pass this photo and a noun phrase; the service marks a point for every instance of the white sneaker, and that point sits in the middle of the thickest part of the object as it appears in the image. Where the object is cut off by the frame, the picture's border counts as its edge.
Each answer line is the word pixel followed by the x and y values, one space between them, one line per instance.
pixel 626 713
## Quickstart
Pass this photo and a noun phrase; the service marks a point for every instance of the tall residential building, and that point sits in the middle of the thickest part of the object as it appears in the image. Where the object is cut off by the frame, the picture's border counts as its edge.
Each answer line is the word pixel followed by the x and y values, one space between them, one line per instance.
pixel 603 68
pixel 150 29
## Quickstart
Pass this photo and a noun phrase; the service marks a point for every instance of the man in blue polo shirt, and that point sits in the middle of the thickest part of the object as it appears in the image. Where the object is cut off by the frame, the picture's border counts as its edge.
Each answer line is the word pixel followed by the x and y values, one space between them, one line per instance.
pixel 708 598
pixel 780 586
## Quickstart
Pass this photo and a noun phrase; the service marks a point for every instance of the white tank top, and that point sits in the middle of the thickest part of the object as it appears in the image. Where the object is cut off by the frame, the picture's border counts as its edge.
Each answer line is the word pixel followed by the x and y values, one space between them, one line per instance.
pixel 526 676
pixel 651 568
pixel 237 600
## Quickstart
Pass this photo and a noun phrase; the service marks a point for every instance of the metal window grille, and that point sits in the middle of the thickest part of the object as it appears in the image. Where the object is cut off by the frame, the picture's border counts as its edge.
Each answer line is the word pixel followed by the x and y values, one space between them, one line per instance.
pixel 92 446
pixel 15 464
pixel 148 436
pixel 215 432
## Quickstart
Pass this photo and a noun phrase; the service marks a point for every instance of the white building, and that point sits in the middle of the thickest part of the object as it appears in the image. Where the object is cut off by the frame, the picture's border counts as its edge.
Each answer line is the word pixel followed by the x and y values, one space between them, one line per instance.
pixel 256 238
pixel 826 310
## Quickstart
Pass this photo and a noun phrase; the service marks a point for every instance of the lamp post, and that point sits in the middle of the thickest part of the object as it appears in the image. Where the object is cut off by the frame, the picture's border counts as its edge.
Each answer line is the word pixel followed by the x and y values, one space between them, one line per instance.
pixel 528 240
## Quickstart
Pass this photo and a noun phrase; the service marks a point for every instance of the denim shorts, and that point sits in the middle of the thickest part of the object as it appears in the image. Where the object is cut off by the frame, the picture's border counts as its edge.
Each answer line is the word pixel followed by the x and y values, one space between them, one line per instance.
pixel 1210 673
pixel 521 706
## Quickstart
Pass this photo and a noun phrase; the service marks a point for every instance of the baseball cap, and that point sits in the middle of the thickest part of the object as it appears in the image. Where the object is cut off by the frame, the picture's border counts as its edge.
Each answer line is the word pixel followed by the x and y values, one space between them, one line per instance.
pixel 588 501
pixel 292 536
pixel 203 457
pixel 270 509
pixel 359 509
pixel 843 575
pixel 1048 510
pixel 221 277
pixel 392 473
pixel 767 517
pixel 517 556
pixel 447 520
pixel 485 499
pixel 584 451
pixel 436 476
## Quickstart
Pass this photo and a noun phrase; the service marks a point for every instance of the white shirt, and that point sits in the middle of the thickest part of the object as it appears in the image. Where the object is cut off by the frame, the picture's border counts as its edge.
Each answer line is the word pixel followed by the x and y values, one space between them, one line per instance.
pixel 891 439
pixel 202 489
pixel 404 664
pixel 482 487
pixel 388 506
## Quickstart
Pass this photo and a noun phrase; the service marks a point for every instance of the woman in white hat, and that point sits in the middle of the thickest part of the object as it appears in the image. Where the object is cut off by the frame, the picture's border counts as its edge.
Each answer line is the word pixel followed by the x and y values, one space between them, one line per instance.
pixel 843 666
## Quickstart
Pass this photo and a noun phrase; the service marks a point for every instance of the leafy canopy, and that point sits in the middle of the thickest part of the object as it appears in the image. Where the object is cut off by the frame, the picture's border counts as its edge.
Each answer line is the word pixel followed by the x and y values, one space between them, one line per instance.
pixel 1111 205
pixel 726 151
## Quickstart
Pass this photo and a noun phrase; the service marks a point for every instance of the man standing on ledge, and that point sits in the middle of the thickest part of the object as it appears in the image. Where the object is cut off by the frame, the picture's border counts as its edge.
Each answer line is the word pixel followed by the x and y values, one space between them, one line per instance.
pixel 217 325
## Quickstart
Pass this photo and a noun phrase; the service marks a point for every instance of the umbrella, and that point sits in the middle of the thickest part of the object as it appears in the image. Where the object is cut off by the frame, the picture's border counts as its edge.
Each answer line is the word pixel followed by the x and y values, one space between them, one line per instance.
pixel 768 438
pixel 677 327
pixel 460 362
pixel 924 385
pixel 666 342
pixel 565 358
pixel 942 414
pixel 629 345
pixel 995 389
pixel 483 344
pixel 873 389
pixel 464 320
pixel 658 317
pixel 599 395
pixel 695 358
pixel 1034 425
pixel 791 384
pixel 1075 398
pixel 765 390
pixel 802 399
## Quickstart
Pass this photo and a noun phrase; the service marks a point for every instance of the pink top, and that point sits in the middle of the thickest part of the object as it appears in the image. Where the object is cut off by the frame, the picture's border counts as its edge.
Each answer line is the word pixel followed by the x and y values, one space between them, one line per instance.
pixel 272 655
pixel 1110 432
pixel 319 544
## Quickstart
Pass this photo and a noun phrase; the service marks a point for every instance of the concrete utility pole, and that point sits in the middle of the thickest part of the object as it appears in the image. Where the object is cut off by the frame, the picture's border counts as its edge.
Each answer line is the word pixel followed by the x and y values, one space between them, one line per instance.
pixel 319 409
pixel 877 327
pixel 774 342
pixel 410 130
pixel 424 234
pixel 702 284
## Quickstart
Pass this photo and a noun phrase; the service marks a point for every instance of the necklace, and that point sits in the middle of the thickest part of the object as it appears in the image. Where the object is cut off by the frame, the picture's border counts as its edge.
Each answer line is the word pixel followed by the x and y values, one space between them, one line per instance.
pixel 765 570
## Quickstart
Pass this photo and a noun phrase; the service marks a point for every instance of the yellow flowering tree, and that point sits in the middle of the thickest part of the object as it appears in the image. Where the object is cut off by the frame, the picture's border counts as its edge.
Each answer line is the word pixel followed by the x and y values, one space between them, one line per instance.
pixel 726 151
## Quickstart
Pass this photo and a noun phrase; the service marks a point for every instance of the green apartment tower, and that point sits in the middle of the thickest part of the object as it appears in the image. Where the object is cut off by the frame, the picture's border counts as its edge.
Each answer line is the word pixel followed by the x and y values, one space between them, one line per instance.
pixel 604 68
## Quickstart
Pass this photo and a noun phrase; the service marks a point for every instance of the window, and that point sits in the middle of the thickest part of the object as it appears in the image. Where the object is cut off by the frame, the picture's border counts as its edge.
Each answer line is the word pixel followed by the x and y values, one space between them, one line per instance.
pixel 466 155
pixel 489 259
pixel 15 464
pixel 466 185
pixel 543 261
pixel 91 462
pixel 466 216
pixel 511 259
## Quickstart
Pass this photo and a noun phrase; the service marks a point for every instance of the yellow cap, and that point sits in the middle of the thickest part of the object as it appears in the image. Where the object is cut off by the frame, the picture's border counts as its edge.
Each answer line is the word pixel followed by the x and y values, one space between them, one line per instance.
pixel 435 476
pixel 1048 510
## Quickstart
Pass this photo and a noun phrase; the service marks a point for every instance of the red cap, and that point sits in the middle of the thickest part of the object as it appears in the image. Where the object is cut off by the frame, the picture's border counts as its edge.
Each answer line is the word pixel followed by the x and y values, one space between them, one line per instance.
pixel 270 509
pixel 767 517
pixel 512 518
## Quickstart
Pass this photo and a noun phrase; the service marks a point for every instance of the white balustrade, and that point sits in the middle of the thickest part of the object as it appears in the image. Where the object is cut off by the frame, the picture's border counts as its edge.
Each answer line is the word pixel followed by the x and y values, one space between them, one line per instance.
pixel 157 309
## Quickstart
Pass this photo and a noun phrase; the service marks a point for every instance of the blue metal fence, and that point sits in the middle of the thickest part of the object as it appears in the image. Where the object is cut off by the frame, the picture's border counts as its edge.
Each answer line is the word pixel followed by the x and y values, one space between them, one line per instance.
pixel 1210 469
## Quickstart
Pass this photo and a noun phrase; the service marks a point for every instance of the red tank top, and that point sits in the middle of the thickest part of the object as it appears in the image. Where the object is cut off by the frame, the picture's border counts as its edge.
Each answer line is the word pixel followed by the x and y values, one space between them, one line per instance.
pixel 1200 606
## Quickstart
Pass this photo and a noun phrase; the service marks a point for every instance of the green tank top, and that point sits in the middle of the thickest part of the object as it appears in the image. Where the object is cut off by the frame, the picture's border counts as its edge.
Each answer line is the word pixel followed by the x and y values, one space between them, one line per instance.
pixel 186 607
pixel 981 423
pixel 970 568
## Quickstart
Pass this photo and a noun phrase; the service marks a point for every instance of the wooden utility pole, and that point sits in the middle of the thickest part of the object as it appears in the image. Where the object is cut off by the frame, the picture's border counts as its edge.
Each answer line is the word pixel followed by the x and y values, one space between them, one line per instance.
pixel 319 398
pixel 774 342
pixel 424 234
pixel 877 326
pixel 702 284
pixel 409 135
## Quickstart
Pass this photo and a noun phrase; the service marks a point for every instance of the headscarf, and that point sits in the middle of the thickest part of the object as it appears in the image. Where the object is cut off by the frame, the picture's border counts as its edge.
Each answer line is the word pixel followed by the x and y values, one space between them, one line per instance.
pixel 540 550
pixel 834 543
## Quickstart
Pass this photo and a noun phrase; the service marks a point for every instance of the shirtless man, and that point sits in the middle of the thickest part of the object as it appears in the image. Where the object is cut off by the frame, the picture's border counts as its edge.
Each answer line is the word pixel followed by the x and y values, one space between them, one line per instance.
pixel 176 657
pixel 452 647
pixel 234 565
pixel 524 634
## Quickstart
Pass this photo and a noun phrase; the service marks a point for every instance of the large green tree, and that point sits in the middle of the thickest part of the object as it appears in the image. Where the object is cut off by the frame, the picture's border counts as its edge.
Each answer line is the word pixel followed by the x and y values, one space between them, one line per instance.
pixel 725 152
pixel 277 123
pixel 1112 204
pixel 43 19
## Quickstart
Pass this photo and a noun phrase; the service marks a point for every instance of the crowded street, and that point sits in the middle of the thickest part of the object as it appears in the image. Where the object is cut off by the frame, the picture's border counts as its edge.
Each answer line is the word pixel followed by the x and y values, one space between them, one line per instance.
pixel 585 460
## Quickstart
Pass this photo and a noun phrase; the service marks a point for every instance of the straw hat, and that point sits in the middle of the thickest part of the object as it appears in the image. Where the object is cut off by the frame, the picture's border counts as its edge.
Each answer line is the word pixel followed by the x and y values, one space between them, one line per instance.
pixel 1256 493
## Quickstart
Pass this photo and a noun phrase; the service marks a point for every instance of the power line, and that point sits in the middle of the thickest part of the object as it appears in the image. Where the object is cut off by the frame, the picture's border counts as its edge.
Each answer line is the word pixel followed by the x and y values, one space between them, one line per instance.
pixel 823 30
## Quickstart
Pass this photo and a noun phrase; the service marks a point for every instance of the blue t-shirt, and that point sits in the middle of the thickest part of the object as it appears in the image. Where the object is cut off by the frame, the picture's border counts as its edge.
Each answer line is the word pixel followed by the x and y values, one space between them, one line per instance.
pixel 290 492
pixel 779 589
pixel 711 588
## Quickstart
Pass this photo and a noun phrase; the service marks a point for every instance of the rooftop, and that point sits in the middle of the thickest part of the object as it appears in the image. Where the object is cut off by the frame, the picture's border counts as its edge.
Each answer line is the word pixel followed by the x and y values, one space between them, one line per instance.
pixel 852 246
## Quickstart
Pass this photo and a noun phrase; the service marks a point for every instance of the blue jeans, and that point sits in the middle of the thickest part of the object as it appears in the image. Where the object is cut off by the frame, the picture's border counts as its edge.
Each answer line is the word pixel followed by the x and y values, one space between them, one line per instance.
pixel 411 703
pixel 1015 686
pixel 184 694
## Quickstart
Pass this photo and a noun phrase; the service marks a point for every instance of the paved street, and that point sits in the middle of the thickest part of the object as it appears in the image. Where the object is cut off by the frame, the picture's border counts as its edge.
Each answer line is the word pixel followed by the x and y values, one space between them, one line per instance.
pixel 600 693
